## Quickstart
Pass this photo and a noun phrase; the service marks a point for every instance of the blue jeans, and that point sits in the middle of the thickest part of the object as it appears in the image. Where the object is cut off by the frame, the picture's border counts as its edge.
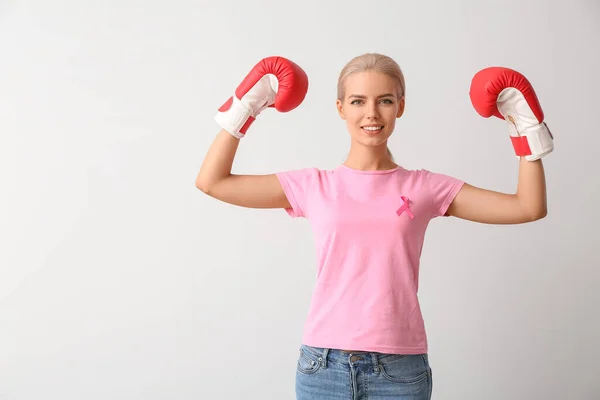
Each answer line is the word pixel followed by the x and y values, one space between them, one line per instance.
pixel 329 374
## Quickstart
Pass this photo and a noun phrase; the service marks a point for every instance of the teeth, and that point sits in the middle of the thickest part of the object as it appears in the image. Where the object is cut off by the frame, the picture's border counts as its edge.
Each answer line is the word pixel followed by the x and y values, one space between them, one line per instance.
pixel 373 128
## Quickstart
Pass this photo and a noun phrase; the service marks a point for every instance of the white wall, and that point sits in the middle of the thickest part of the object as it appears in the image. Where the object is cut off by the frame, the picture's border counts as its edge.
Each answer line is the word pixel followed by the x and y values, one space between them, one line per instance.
pixel 120 280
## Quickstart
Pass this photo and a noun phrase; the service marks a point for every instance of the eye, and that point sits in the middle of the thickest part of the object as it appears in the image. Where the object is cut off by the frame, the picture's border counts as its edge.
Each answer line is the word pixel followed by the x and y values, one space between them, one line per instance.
pixel 387 101
pixel 355 102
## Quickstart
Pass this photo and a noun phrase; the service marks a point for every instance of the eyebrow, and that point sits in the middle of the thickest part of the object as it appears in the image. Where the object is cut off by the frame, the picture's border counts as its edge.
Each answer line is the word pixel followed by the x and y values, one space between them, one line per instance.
pixel 360 96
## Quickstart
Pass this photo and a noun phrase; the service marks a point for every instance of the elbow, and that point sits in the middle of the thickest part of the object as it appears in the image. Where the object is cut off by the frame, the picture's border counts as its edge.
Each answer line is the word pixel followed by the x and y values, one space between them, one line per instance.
pixel 532 211
pixel 202 186
pixel 538 214
pixel 542 213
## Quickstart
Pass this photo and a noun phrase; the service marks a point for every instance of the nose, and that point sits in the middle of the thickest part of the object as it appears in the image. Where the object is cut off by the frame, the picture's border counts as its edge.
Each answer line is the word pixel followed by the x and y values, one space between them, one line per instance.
pixel 372 111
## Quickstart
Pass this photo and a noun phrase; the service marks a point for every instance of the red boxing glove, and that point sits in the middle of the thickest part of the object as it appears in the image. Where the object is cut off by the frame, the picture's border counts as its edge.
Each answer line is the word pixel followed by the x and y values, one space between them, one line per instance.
pixel 508 95
pixel 273 82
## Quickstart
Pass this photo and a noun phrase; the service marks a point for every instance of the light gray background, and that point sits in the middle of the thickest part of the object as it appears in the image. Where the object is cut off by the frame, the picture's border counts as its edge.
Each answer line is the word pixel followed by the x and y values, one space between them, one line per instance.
pixel 120 280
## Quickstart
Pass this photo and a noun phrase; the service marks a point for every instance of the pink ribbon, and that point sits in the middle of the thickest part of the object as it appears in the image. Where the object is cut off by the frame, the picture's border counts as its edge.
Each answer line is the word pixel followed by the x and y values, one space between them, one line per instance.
pixel 404 207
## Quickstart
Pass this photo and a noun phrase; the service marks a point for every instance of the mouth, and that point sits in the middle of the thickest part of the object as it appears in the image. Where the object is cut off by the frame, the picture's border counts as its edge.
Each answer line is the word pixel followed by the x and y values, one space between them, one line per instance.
pixel 372 130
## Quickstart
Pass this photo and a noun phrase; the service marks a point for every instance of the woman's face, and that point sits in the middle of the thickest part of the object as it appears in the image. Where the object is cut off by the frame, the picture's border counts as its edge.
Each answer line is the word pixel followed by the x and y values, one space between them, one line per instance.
pixel 370 107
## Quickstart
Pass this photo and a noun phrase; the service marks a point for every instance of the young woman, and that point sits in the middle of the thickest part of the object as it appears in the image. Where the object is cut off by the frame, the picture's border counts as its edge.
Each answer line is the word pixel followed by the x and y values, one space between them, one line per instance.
pixel 364 335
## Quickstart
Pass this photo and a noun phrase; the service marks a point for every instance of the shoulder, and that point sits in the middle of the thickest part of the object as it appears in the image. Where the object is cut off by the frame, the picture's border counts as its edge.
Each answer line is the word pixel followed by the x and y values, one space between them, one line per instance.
pixel 421 176
pixel 432 178
pixel 302 177
pixel 303 173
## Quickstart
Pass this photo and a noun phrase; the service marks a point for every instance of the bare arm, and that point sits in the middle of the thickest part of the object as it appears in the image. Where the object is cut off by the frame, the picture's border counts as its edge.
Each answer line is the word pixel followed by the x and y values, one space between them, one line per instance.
pixel 486 206
pixel 253 191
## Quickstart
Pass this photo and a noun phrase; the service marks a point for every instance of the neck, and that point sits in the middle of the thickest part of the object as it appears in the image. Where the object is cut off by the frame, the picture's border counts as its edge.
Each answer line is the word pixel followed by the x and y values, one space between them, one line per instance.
pixel 369 158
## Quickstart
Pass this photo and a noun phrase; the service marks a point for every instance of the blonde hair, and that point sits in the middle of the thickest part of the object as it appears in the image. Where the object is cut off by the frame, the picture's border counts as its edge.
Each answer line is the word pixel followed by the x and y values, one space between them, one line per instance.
pixel 372 62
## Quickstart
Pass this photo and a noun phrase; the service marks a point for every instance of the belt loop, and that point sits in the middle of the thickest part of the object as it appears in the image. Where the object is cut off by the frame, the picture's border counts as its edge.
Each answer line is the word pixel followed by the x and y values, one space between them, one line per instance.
pixel 323 358
pixel 375 360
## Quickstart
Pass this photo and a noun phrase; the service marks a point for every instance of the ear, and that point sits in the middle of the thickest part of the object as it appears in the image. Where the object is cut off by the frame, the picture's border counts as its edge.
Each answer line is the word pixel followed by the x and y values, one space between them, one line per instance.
pixel 340 109
pixel 401 105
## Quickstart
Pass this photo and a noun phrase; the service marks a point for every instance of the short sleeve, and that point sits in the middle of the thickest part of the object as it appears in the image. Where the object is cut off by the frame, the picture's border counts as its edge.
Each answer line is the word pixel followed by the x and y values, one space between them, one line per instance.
pixel 443 189
pixel 297 186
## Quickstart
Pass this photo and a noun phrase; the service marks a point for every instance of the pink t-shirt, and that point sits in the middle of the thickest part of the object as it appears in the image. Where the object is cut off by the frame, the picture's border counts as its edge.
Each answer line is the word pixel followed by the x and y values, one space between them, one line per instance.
pixel 368 228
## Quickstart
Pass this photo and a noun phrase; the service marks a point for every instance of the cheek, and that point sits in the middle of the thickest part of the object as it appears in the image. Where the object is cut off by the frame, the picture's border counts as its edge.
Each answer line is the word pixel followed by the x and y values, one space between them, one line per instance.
pixel 391 112
pixel 353 118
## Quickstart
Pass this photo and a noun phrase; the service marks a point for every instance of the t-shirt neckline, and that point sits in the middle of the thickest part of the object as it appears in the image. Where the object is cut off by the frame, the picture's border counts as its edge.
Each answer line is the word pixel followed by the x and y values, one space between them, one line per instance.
pixel 370 172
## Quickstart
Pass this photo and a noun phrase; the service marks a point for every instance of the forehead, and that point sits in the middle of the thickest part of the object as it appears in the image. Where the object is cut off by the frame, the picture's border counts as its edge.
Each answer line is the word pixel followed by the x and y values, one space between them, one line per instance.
pixel 370 82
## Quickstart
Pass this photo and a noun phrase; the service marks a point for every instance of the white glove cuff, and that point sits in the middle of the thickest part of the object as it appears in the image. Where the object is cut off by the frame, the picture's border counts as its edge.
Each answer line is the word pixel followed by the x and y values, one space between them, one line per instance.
pixel 234 118
pixel 540 141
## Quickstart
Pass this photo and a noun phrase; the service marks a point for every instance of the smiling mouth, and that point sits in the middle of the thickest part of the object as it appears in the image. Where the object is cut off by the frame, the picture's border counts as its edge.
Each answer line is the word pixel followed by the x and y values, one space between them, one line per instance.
pixel 372 129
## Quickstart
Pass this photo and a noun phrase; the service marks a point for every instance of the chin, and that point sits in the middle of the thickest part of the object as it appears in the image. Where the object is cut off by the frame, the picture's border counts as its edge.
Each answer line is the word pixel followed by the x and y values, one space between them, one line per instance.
pixel 370 140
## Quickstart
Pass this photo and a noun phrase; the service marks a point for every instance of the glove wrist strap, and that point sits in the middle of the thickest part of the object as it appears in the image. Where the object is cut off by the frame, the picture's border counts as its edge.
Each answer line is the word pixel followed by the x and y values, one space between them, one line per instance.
pixel 533 144
pixel 234 117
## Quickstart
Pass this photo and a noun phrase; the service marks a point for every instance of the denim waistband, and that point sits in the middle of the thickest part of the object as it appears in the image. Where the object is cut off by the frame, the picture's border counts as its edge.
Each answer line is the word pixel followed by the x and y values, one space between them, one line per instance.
pixel 357 358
